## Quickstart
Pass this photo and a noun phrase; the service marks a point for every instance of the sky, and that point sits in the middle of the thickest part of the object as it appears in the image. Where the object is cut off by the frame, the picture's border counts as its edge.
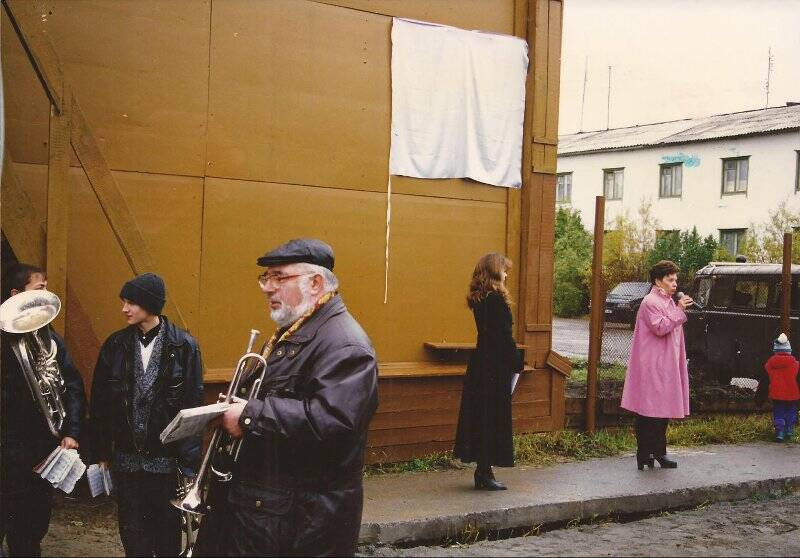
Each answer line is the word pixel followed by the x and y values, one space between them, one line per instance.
pixel 674 59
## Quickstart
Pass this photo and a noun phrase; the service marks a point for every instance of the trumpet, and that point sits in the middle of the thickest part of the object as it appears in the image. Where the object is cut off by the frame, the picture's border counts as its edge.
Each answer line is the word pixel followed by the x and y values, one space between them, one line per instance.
pixel 27 315
pixel 223 446
pixel 190 522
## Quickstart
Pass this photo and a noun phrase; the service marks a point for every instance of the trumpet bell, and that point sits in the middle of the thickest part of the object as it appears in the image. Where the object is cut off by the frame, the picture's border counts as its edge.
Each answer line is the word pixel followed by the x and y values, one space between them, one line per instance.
pixel 29 311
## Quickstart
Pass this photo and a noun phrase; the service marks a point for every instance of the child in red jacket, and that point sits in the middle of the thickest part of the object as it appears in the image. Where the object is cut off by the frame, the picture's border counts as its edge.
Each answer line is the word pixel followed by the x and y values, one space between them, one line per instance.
pixel 781 382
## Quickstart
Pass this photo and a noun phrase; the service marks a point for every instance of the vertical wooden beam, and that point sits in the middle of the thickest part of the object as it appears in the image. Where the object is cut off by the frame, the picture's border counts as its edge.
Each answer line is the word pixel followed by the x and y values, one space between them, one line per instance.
pixel 26 240
pixel 786 287
pixel 543 32
pixel 597 315
pixel 58 209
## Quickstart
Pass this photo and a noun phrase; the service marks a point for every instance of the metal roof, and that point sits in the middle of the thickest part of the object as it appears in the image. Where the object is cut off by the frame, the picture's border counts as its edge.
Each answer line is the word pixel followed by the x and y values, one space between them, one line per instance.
pixel 762 121
pixel 731 268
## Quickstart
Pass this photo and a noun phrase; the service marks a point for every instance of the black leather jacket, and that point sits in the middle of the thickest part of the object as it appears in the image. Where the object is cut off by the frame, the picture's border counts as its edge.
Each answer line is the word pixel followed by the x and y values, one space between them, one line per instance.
pixel 22 421
pixel 301 462
pixel 179 385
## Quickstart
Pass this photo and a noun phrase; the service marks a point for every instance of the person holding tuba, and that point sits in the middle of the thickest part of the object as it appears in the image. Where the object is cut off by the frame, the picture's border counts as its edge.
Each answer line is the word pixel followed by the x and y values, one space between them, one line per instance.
pixel 296 488
pixel 27 435
pixel 145 374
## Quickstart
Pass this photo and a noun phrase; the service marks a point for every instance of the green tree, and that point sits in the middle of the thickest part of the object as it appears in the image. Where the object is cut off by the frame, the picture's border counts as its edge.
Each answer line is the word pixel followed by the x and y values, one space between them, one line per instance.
pixel 764 242
pixel 687 249
pixel 573 257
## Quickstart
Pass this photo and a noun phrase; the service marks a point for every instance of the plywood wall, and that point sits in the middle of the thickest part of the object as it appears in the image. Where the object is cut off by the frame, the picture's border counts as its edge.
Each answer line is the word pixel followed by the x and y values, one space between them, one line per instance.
pixel 234 125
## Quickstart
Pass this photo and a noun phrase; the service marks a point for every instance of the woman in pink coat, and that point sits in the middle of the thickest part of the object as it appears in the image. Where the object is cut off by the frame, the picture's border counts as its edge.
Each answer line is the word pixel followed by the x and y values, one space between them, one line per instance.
pixel 657 381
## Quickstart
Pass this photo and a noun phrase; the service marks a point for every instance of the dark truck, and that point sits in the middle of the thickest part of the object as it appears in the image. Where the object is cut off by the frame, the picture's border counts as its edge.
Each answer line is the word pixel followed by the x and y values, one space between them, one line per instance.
pixel 731 335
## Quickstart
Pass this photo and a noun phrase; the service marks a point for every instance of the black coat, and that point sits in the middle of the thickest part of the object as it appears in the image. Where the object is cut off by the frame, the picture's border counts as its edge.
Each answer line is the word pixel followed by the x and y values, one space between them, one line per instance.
pixel 297 487
pixel 484 433
pixel 25 434
pixel 179 385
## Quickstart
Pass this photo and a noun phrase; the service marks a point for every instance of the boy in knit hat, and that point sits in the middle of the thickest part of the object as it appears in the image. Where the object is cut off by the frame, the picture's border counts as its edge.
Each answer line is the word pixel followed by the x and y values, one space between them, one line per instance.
pixel 780 381
pixel 145 374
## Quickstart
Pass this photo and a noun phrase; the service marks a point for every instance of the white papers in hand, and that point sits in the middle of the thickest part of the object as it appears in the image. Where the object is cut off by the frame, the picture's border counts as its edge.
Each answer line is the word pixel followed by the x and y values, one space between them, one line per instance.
pixel 192 422
pixel 62 468
pixel 99 480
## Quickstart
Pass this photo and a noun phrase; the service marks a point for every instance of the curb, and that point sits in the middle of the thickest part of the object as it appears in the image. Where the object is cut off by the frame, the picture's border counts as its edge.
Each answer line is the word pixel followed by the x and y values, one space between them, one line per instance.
pixel 436 529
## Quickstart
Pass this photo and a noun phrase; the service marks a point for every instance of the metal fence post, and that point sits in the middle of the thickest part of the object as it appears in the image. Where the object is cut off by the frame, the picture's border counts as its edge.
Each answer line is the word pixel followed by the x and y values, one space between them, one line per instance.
pixel 786 286
pixel 597 314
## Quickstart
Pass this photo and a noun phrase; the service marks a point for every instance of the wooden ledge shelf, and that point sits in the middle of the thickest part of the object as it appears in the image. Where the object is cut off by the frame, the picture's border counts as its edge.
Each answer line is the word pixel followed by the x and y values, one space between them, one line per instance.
pixel 425 369
pixel 443 346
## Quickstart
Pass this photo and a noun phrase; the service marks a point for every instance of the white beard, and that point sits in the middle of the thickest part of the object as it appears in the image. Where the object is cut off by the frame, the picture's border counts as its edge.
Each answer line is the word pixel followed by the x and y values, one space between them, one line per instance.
pixel 285 315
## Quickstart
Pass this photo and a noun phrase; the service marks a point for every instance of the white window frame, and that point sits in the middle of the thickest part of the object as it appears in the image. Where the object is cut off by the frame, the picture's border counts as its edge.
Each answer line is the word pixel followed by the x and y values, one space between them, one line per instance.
pixel 672 172
pixel 616 189
pixel 564 187
pixel 737 239
pixel 733 168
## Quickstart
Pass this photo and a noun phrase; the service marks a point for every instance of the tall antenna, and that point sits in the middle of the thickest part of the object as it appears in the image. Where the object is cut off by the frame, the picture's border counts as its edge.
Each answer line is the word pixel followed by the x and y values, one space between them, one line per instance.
pixel 769 74
pixel 583 96
pixel 608 102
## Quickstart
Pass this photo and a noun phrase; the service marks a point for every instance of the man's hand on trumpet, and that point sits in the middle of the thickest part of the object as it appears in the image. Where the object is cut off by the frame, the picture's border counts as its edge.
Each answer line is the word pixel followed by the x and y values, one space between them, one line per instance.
pixel 230 420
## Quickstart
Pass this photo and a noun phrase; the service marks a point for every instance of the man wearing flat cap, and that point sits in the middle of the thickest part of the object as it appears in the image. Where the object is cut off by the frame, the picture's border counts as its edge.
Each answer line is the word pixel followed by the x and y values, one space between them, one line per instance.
pixel 297 485
pixel 145 374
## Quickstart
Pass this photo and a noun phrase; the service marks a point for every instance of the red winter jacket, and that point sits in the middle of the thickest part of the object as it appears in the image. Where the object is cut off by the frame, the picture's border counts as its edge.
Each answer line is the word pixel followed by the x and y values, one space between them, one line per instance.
pixel 782 370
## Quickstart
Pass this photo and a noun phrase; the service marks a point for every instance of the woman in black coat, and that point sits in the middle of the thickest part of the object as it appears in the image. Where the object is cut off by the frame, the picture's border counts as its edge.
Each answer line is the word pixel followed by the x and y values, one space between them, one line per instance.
pixel 484 434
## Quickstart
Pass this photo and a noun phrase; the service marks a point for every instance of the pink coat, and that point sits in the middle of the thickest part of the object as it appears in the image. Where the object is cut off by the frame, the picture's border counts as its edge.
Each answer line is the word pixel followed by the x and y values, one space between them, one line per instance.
pixel 657 381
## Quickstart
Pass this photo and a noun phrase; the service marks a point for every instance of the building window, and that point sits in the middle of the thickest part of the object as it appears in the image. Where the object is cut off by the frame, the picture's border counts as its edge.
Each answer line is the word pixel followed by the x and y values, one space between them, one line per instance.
pixel 564 187
pixel 671 182
pixel 612 184
pixel 731 240
pixel 797 173
pixel 734 175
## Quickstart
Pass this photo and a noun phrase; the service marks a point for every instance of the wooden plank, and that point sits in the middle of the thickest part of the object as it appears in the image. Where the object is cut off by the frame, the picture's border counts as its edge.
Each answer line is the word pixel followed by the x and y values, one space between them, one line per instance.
pixel 458 346
pixel 399 387
pixel 58 209
pixel 94 164
pixel 26 238
pixel 559 363
pixel 41 58
pixel 392 454
pixel 438 417
pixel 114 206
pixel 540 17
pixel 553 71
pixel 536 424
pixel 418 402
pixel 420 435
pixel 558 400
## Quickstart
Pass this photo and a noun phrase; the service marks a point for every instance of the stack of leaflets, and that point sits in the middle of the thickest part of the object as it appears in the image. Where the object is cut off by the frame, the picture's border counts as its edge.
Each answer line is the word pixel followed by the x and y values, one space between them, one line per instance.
pixel 192 422
pixel 62 468
pixel 99 478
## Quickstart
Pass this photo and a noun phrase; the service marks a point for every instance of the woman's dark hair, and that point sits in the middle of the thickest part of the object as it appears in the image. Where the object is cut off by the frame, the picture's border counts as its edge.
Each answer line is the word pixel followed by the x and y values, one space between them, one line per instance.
pixel 662 269
pixel 488 277
pixel 16 276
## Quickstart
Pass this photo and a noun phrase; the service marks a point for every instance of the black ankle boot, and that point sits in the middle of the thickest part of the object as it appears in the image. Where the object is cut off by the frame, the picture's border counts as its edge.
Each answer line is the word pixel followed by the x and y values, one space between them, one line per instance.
pixel 642 461
pixel 484 480
pixel 666 463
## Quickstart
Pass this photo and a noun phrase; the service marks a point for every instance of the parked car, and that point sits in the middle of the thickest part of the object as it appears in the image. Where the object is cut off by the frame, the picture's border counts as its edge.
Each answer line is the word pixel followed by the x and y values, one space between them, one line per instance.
pixel 622 303
pixel 731 336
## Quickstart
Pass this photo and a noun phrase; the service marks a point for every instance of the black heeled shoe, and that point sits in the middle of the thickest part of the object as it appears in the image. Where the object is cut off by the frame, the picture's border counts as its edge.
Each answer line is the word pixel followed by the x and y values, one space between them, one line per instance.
pixel 642 461
pixel 666 463
pixel 486 481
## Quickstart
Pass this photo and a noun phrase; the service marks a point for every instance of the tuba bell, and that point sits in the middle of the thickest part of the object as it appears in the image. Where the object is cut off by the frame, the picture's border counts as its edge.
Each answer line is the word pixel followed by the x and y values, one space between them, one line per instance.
pixel 26 316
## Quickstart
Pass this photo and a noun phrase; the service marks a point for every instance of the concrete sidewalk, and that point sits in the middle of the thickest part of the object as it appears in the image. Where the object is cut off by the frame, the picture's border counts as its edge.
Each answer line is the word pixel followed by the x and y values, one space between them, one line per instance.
pixel 423 507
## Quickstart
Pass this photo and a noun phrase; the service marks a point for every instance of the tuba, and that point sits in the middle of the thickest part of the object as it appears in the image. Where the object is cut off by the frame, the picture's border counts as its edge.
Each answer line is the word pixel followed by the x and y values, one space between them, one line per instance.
pixel 26 315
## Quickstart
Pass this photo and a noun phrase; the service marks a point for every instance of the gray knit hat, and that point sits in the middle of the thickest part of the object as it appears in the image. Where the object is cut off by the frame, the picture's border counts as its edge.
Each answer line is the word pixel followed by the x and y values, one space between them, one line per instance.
pixel 781 344
pixel 147 290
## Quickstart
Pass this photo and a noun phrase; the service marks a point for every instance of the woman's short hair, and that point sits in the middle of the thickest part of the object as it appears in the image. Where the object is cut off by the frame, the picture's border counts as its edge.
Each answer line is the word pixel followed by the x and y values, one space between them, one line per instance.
pixel 488 277
pixel 662 269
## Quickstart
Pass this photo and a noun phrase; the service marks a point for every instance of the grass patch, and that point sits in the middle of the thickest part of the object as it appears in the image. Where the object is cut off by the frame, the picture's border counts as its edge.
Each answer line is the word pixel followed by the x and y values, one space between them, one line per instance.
pixel 548 448
pixel 606 371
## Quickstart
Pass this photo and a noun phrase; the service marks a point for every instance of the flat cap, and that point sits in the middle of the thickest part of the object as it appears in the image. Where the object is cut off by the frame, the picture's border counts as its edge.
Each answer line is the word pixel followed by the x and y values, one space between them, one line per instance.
pixel 299 250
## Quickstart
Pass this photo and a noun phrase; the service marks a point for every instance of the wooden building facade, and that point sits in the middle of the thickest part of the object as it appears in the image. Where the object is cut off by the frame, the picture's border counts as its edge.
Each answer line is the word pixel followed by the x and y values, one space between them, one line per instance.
pixel 187 137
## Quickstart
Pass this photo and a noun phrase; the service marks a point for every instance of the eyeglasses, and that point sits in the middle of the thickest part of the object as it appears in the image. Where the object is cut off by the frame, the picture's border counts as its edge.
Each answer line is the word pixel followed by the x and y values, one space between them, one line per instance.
pixel 277 279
